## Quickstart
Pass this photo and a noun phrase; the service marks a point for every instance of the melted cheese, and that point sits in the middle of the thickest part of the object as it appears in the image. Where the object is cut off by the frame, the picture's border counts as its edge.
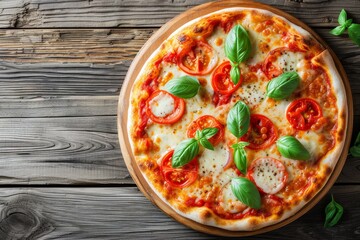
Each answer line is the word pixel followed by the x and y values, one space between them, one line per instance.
pixel 162 105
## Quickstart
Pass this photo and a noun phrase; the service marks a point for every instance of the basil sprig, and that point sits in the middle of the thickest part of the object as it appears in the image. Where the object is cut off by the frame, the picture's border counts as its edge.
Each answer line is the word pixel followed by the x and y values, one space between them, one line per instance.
pixel 188 149
pixel 238 119
pixel 283 86
pixel 333 212
pixel 290 147
pixel 237 50
pixel 240 159
pixel 353 29
pixel 355 150
pixel 246 192
pixel 183 87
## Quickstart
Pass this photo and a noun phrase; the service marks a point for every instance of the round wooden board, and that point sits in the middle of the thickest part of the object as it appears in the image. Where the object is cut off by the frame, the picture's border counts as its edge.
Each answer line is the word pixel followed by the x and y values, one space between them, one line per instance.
pixel 150 46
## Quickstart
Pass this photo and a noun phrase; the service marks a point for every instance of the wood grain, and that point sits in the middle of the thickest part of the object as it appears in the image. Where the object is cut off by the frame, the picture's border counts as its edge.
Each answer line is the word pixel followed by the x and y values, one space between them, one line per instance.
pixel 152 13
pixel 123 213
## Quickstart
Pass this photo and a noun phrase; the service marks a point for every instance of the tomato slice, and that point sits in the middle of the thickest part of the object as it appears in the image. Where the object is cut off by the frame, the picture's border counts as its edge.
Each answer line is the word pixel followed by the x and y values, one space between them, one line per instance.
pixel 221 81
pixel 207 121
pixel 179 177
pixel 168 113
pixel 262 132
pixel 268 174
pixel 197 58
pixel 269 68
pixel 303 113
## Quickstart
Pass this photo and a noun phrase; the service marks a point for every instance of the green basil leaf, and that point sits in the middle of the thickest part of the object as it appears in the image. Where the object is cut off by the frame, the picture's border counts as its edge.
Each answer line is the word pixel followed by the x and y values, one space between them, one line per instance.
pixel 185 152
pixel 333 212
pixel 348 23
pixel 246 192
pixel 238 119
pixel 338 30
pixel 240 145
pixel 342 17
pixel 237 44
pixel 235 73
pixel 198 134
pixel 283 86
pixel 206 144
pixel 355 150
pixel 183 87
pixel 354 33
pixel 209 132
pixel 240 160
pixel 290 147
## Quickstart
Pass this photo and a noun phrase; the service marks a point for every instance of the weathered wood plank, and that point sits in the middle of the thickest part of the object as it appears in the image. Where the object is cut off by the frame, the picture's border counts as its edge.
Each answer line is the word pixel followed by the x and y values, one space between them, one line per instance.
pixel 123 213
pixel 152 13
pixel 61 150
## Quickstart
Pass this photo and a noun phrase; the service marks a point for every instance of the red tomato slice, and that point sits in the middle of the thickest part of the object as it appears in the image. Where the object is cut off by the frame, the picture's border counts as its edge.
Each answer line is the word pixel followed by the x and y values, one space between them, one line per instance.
pixel 166 117
pixel 303 113
pixel 268 174
pixel 221 81
pixel 197 58
pixel 269 68
pixel 207 121
pixel 261 134
pixel 179 177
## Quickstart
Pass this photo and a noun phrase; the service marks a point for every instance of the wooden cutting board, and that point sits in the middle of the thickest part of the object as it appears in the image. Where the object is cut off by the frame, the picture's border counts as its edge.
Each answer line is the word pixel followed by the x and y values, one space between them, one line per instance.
pixel 150 46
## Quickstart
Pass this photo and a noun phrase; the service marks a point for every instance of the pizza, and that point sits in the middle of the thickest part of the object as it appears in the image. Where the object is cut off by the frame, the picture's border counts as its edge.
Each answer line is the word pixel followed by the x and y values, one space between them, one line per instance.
pixel 238 119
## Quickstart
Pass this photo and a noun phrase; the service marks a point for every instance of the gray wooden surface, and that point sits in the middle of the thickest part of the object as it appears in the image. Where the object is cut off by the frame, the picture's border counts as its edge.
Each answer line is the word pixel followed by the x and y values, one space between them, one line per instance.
pixel 62 175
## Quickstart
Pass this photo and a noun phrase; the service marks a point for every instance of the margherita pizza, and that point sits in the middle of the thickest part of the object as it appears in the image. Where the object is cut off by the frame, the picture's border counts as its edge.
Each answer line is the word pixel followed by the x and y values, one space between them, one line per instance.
pixel 238 119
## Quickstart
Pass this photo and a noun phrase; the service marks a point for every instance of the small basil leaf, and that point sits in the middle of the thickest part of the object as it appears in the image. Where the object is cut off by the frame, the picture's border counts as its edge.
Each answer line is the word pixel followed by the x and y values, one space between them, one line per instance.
pixel 238 119
pixel 185 152
pixel 333 212
pixel 198 134
pixel 206 144
pixel 338 30
pixel 235 74
pixel 240 145
pixel 342 17
pixel 354 33
pixel 209 132
pixel 355 150
pixel 240 160
pixel 183 87
pixel 237 44
pixel 283 86
pixel 348 23
pixel 246 192
pixel 290 147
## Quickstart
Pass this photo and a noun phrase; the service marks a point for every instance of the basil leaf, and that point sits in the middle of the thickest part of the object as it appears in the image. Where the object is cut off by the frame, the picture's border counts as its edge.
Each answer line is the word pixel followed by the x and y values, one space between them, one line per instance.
pixel 237 44
pixel 338 30
pixel 206 144
pixel 355 150
pixel 283 86
pixel 354 33
pixel 185 152
pixel 235 73
pixel 209 132
pixel 333 212
pixel 290 147
pixel 240 160
pixel 342 17
pixel 238 119
pixel 348 23
pixel 246 192
pixel 183 87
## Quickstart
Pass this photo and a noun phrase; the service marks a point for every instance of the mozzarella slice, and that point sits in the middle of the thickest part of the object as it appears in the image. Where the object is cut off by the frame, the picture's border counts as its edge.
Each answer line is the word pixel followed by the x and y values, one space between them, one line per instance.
pixel 269 174
pixel 162 105
pixel 229 202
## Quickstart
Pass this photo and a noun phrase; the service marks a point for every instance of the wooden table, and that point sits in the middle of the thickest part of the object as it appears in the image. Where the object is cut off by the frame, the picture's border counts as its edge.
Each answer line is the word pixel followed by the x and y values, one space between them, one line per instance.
pixel 62 175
